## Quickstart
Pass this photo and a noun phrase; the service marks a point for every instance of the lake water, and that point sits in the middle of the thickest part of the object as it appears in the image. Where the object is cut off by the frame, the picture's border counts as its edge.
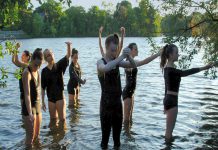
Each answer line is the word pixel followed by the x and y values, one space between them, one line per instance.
pixel 197 122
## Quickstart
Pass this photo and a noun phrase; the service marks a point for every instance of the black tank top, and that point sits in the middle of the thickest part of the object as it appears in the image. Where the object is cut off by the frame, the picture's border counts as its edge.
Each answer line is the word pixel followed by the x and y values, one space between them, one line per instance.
pixel 110 81
pixel 131 76
pixel 34 90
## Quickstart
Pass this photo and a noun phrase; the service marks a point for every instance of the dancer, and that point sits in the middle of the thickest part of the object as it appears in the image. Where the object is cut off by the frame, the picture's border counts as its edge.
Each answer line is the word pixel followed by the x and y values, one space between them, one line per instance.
pixel 31 107
pixel 172 77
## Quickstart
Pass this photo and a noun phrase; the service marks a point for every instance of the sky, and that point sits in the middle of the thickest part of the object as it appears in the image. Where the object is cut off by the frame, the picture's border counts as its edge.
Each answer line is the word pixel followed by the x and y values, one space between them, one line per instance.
pixel 89 3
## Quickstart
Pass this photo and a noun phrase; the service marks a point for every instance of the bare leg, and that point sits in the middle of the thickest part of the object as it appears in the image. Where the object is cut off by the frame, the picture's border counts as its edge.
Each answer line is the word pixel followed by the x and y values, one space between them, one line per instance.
pixel 72 100
pixel 170 122
pixel 37 125
pixel 52 110
pixel 29 127
pixel 61 109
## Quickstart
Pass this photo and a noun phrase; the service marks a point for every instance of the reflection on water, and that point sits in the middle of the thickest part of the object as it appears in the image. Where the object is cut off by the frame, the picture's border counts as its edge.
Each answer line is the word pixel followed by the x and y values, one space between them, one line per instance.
pixel 197 121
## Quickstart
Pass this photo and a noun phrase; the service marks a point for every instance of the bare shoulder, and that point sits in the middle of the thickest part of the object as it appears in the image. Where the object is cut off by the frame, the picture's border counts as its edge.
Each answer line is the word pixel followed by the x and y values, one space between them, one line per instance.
pixel 26 73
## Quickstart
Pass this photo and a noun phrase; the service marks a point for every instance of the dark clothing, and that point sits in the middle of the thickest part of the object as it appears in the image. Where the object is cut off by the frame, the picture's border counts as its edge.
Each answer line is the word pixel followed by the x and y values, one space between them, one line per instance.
pixel 131 76
pixel 52 80
pixel 75 78
pixel 172 77
pixel 170 101
pixel 111 114
pixel 34 96
pixel 21 83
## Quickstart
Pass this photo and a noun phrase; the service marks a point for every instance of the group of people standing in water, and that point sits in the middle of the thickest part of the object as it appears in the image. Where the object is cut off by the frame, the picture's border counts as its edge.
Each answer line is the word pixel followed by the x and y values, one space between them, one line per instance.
pixel 111 108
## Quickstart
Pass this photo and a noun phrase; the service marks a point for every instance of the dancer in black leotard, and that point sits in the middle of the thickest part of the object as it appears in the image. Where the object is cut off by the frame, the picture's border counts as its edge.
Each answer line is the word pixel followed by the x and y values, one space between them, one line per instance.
pixel 129 89
pixel 172 77
pixel 75 80
pixel 31 107
pixel 22 64
pixel 52 82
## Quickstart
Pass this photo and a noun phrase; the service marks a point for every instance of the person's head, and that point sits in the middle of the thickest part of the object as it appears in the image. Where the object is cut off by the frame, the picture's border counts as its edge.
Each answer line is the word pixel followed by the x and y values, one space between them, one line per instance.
pixel 25 57
pixel 169 53
pixel 48 55
pixel 37 58
pixel 74 56
pixel 134 49
pixel 112 44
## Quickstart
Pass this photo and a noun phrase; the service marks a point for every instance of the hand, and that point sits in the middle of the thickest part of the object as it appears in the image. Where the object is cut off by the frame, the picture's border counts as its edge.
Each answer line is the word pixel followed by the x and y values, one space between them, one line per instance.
pixel 43 106
pixel 101 29
pixel 126 52
pixel 84 81
pixel 17 45
pixel 68 43
pixel 122 30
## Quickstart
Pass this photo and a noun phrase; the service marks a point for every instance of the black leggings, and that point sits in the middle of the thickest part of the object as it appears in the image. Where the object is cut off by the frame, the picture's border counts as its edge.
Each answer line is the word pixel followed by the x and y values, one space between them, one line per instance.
pixel 111 115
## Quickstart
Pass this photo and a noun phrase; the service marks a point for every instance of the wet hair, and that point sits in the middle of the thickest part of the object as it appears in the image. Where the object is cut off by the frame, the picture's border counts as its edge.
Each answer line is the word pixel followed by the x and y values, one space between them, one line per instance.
pixel 112 38
pixel 131 45
pixel 74 51
pixel 28 54
pixel 37 54
pixel 167 50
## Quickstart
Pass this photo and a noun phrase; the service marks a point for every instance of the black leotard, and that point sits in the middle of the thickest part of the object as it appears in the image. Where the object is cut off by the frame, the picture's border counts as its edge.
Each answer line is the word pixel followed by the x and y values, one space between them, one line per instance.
pixel 34 96
pixel 172 77
pixel 75 78
pixel 131 76
pixel 52 80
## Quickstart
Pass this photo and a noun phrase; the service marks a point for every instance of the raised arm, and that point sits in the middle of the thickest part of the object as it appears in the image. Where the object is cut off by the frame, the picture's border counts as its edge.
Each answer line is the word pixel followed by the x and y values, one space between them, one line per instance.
pixel 15 59
pixel 26 77
pixel 68 49
pixel 122 29
pixel 100 44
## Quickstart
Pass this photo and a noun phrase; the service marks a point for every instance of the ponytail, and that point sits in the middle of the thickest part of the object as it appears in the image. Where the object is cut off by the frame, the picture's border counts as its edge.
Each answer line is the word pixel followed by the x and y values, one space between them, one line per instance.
pixel 163 57
pixel 167 50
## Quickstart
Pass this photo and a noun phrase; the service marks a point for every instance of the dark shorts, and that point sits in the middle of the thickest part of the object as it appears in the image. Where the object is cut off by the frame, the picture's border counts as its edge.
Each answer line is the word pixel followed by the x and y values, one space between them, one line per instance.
pixel 58 95
pixel 36 109
pixel 128 92
pixel 170 101
pixel 71 88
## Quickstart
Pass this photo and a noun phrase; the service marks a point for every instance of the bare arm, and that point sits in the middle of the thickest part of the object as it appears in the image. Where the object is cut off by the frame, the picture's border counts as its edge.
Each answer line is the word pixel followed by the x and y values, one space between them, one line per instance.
pixel 122 29
pixel 26 77
pixel 100 44
pixel 147 60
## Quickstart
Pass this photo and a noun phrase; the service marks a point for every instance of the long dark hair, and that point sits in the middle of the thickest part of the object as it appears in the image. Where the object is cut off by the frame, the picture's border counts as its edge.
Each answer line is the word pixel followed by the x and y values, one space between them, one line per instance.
pixel 131 45
pixel 167 50
pixel 28 54
pixel 37 54
pixel 74 51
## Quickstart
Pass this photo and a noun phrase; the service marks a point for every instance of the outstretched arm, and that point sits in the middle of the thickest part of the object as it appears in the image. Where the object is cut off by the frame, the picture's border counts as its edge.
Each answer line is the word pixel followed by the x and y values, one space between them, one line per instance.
pixel 147 60
pixel 122 29
pixel 184 73
pixel 100 44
